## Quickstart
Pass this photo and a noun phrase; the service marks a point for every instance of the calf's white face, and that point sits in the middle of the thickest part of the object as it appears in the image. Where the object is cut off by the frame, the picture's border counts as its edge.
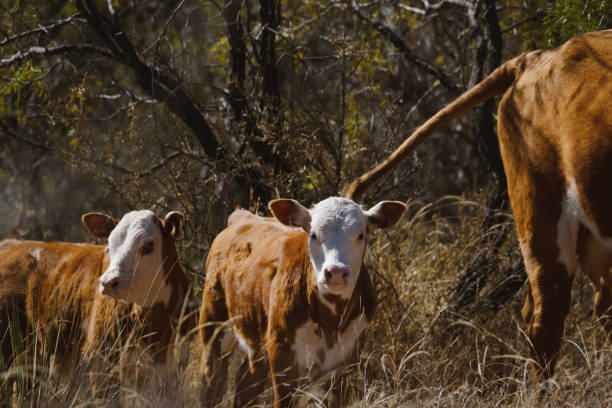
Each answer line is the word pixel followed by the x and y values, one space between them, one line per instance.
pixel 136 252
pixel 337 229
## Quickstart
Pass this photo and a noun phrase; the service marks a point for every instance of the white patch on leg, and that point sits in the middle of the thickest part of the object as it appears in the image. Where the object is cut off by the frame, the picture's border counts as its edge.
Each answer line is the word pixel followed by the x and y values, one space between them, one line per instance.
pixel 572 195
pixel 308 346
pixel 567 230
pixel 312 354
pixel 244 345
pixel 347 340
pixel 228 341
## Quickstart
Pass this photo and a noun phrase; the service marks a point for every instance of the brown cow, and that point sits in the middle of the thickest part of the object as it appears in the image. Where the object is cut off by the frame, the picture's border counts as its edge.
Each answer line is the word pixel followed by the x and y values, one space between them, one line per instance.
pixel 555 134
pixel 294 296
pixel 86 294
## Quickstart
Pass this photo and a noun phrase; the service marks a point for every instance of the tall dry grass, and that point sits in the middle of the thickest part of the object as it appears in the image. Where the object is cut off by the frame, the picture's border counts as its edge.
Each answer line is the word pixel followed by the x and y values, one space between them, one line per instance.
pixel 422 354
pixel 417 353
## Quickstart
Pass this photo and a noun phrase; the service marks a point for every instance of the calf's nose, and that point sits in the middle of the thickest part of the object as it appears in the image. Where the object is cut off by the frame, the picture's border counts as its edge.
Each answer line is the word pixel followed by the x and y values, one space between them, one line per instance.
pixel 108 286
pixel 336 275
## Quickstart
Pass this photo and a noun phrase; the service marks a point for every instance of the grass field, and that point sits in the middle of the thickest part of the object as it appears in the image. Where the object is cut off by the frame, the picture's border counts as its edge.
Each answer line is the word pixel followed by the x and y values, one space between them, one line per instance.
pixel 418 353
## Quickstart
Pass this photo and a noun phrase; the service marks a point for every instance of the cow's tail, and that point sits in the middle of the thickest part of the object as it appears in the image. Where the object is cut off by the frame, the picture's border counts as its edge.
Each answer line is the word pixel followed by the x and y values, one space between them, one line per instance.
pixel 494 84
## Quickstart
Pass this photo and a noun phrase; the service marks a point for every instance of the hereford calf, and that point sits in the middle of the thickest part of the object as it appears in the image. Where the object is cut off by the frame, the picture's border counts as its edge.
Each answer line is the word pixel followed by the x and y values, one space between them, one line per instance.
pixel 298 297
pixel 89 294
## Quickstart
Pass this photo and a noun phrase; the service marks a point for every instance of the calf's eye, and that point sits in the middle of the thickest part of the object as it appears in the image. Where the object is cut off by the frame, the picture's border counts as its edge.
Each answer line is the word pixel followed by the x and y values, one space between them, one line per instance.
pixel 361 236
pixel 147 248
pixel 313 236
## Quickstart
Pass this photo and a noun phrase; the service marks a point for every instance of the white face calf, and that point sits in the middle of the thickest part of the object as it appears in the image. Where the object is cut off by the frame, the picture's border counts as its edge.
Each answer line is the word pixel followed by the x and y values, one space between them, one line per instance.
pixel 136 251
pixel 337 228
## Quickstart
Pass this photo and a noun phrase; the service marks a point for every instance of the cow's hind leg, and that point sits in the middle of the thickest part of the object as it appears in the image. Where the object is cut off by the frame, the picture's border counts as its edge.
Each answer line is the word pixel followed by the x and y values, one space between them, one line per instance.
pixel 215 331
pixel 596 261
pixel 527 310
pixel 546 224
pixel 547 230
pixel 592 191
pixel 550 286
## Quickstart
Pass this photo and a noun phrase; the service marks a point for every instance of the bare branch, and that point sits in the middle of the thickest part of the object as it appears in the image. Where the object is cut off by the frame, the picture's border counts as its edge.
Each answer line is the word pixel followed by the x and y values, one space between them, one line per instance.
pixel 161 164
pixel 162 87
pixel 237 98
pixel 41 29
pixel 38 51
pixel 165 28
pixel 14 135
pixel 419 102
pixel 46 148
pixel 111 9
pixel 405 51
pixel 413 9
pixel 438 5
pixel 537 14
pixel 270 18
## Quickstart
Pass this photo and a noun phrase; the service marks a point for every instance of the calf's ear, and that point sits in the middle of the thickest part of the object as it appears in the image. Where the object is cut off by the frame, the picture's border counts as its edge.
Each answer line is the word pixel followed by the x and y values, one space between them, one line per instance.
pixel 173 223
pixel 99 224
pixel 290 212
pixel 385 214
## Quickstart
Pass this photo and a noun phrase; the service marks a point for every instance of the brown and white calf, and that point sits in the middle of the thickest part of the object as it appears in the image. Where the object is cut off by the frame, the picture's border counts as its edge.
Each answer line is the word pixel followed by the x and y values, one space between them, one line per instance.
pixel 295 299
pixel 555 136
pixel 88 295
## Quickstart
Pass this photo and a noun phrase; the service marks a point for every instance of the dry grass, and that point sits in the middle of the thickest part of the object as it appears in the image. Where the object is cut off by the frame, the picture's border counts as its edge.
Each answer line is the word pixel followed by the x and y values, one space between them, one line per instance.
pixel 417 352
pixel 424 355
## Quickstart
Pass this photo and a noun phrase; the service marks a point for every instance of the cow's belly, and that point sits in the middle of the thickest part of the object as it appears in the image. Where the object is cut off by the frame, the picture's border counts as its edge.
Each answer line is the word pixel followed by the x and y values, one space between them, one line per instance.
pixel 315 357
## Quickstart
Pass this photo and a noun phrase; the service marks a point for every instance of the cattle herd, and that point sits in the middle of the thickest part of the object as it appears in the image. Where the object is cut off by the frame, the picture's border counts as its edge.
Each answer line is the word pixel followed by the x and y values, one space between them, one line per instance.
pixel 291 290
